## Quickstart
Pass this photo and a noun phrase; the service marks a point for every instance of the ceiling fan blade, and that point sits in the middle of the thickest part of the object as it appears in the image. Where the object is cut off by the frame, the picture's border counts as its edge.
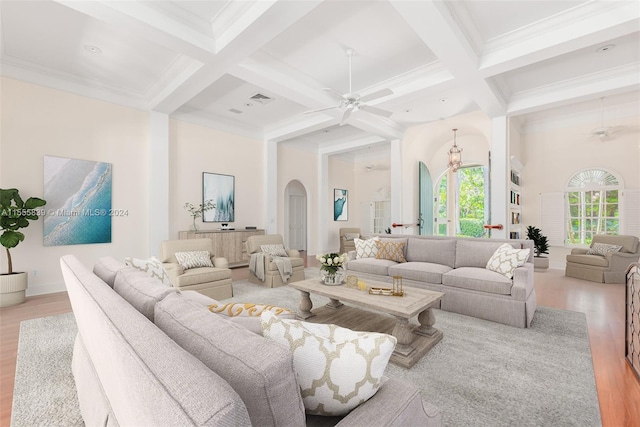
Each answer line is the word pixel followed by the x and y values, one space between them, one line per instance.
pixel 317 110
pixel 346 115
pixel 376 95
pixel 375 110
pixel 337 95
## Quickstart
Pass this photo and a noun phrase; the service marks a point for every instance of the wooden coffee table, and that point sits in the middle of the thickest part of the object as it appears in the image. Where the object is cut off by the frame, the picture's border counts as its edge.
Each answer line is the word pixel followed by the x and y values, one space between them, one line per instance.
pixel 414 341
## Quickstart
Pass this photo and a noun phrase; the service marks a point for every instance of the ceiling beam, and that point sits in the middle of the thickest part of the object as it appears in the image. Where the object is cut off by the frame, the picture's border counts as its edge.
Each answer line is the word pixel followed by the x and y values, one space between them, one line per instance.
pixel 435 26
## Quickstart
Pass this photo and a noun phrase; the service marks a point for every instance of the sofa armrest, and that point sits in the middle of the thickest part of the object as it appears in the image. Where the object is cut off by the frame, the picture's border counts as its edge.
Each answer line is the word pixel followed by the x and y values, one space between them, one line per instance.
pixel 173 270
pixel 522 282
pixel 579 251
pixel 396 403
pixel 619 261
pixel 293 253
pixel 220 262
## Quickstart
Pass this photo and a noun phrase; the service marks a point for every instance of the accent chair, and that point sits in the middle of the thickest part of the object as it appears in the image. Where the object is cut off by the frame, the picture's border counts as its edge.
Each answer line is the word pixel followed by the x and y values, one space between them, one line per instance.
pixel 346 239
pixel 272 275
pixel 609 267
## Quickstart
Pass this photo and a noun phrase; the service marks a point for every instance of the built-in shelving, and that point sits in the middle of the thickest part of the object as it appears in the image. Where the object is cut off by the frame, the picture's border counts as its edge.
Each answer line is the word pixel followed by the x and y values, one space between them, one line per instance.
pixel 515 199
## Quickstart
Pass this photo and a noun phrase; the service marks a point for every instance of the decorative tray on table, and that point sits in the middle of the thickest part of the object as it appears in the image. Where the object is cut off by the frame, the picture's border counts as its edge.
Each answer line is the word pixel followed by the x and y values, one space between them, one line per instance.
pixel 385 291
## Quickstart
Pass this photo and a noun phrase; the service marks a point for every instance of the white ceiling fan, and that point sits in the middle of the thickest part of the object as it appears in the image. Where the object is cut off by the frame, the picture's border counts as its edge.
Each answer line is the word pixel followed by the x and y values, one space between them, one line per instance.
pixel 604 132
pixel 353 101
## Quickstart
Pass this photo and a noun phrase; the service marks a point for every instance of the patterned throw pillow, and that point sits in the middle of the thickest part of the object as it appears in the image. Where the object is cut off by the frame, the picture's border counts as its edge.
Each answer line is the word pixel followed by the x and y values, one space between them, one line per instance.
pixel 337 368
pixel 366 248
pixel 194 259
pixel 393 251
pixel 602 249
pixel 351 236
pixel 233 309
pixel 506 259
pixel 274 250
pixel 152 266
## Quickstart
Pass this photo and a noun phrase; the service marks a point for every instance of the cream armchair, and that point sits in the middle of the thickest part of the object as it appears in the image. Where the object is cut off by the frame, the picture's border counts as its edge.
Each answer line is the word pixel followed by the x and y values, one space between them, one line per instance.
pixel 272 277
pixel 610 268
pixel 214 282
pixel 346 241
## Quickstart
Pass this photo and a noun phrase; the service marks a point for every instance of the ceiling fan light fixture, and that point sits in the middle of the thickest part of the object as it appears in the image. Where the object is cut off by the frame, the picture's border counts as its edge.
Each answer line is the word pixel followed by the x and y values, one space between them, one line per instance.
pixel 455 154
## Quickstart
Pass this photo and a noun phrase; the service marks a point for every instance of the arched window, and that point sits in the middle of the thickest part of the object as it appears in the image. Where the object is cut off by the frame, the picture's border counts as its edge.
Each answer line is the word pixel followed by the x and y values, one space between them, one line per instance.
pixel 593 205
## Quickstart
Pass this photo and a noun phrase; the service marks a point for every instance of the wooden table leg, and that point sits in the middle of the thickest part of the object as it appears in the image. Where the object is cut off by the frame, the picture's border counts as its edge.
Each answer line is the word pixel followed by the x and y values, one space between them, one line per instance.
pixel 304 310
pixel 402 332
pixel 334 303
pixel 427 319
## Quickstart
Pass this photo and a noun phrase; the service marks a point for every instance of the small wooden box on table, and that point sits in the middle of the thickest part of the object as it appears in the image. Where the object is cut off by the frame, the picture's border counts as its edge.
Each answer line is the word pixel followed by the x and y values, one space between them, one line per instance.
pixel 414 341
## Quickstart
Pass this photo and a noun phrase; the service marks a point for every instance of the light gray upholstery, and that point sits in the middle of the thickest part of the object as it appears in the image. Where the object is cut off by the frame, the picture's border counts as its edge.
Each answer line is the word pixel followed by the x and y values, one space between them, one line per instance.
pixel 106 268
pixel 272 275
pixel 469 288
pixel 141 371
pixel 214 282
pixel 347 245
pixel 140 290
pixel 604 269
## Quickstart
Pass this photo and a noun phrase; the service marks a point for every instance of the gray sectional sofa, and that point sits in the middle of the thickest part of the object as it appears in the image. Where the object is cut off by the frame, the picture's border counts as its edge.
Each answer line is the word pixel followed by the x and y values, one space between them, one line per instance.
pixel 456 267
pixel 149 355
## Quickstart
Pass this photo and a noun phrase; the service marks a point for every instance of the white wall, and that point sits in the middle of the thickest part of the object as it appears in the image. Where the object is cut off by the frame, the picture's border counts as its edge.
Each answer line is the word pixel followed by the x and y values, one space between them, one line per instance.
pixel 38 122
pixel 341 175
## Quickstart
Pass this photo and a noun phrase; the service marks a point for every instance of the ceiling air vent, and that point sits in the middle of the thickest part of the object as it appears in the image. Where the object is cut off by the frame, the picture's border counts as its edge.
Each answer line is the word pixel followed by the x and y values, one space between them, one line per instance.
pixel 262 99
pixel 233 110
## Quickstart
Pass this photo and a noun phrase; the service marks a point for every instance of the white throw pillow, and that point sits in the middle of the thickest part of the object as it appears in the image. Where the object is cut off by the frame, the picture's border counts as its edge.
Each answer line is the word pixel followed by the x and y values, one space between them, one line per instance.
pixel 336 368
pixel 506 259
pixel 274 250
pixel 152 266
pixel 366 248
pixel 602 249
pixel 194 259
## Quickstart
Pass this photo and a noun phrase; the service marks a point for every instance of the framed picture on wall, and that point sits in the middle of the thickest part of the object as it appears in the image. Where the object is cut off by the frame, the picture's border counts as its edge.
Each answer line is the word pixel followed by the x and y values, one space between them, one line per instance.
pixel 221 190
pixel 340 205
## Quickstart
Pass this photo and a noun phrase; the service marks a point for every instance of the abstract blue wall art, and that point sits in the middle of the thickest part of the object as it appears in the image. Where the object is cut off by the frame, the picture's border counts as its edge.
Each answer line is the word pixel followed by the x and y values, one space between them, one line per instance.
pixel 220 189
pixel 78 195
pixel 340 205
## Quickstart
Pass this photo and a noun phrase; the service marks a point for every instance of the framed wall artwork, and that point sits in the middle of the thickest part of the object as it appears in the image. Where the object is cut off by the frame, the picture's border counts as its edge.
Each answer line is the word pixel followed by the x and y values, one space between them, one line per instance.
pixel 340 205
pixel 78 195
pixel 221 189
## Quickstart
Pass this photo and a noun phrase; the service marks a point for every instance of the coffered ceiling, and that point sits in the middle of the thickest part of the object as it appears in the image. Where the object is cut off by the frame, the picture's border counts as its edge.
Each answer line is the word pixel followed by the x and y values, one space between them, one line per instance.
pixel 257 67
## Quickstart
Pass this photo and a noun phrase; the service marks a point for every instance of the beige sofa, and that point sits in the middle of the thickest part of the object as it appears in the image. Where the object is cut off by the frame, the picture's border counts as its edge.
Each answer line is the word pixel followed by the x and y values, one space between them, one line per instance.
pixel 272 277
pixel 214 282
pixel 456 266
pixel 148 355
pixel 610 268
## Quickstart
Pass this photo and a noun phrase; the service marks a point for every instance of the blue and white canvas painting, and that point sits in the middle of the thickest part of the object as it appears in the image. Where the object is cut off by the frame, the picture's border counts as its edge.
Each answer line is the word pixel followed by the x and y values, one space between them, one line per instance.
pixel 220 189
pixel 78 195
pixel 340 205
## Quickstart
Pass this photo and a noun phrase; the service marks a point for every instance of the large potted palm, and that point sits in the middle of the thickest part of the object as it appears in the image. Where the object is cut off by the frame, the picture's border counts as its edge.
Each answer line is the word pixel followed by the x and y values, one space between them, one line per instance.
pixel 15 214
pixel 540 247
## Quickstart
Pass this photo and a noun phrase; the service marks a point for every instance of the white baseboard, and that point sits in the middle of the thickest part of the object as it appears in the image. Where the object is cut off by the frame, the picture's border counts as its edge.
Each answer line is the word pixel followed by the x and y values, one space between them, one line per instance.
pixel 48 288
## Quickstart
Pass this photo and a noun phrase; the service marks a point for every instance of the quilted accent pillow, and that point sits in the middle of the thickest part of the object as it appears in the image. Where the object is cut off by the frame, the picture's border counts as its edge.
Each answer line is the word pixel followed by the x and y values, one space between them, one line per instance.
pixel 337 369
pixel 506 259
pixel 366 248
pixel 602 249
pixel 274 250
pixel 351 236
pixel 233 309
pixel 194 259
pixel 393 251
pixel 152 266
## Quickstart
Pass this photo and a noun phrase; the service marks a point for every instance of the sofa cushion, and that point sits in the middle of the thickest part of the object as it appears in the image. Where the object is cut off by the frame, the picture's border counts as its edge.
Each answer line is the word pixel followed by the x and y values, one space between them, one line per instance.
pixel 194 259
pixel 140 290
pixel 274 250
pixel 478 279
pixel 473 253
pixel 336 368
pixel 106 268
pixel 437 251
pixel 420 271
pixel 602 249
pixel 198 276
pixel 371 266
pixel 594 260
pixel 152 266
pixel 393 251
pixel 629 243
pixel 506 259
pixel 259 370
pixel 366 248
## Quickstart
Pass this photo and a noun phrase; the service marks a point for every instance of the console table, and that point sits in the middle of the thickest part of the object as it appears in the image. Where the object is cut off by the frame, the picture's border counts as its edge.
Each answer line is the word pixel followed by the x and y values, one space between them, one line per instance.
pixel 230 244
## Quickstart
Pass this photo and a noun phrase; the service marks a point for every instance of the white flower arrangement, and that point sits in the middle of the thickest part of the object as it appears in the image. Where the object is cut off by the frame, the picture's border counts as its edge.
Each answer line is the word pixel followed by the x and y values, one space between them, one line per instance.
pixel 331 262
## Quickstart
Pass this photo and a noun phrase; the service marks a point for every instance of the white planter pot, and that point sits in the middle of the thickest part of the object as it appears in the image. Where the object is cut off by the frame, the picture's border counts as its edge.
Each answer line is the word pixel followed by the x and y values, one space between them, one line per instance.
pixel 540 263
pixel 12 288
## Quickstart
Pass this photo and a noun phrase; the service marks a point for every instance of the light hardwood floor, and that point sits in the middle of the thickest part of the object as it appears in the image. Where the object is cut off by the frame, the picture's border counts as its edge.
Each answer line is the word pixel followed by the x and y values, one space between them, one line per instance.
pixel 604 306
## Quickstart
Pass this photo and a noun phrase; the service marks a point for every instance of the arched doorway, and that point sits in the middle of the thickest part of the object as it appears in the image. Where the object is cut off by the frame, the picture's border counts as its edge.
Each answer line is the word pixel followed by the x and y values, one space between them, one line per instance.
pixel 295 221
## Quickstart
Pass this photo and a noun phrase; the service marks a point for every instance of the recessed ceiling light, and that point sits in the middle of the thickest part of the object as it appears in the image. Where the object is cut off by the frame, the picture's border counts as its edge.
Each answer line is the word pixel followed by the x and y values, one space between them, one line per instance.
pixel 605 48
pixel 248 104
pixel 93 49
pixel 326 130
pixel 408 110
pixel 443 100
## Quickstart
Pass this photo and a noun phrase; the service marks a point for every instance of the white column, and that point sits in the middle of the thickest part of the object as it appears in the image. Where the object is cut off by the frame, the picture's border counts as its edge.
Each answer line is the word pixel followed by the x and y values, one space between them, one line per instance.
pixel 271 187
pixel 396 184
pixel 499 175
pixel 324 209
pixel 158 180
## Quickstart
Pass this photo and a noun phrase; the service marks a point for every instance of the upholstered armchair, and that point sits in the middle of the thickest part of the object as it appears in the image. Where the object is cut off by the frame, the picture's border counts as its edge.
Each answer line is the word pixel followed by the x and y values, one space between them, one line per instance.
pixel 262 250
pixel 608 267
pixel 346 239
pixel 213 281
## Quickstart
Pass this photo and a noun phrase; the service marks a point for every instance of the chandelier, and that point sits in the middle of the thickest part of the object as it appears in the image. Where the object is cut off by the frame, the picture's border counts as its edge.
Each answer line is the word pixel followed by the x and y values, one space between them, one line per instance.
pixel 455 155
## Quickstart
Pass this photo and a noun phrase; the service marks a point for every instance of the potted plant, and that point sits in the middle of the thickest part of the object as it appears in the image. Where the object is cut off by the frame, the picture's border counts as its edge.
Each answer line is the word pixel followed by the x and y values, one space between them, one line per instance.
pixel 540 247
pixel 14 215
pixel 196 212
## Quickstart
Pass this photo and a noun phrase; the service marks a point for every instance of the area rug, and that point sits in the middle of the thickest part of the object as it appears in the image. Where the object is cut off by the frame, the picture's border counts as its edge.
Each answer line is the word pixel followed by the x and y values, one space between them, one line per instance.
pixel 481 374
